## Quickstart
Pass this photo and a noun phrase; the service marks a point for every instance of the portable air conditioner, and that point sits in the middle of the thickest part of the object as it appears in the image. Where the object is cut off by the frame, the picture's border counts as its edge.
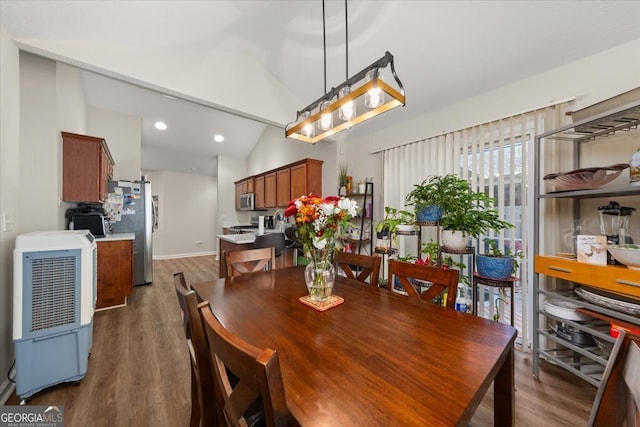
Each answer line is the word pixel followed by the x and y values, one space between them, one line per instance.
pixel 54 295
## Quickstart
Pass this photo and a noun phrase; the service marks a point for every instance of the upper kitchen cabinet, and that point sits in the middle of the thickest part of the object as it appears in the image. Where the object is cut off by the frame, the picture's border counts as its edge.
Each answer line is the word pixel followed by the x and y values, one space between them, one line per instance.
pixel 306 178
pixel 283 187
pixel 276 188
pixel 270 190
pixel 87 167
pixel 258 188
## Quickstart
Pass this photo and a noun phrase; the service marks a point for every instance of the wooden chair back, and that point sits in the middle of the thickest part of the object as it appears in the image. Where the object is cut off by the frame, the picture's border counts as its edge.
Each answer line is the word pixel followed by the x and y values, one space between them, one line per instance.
pixel 249 261
pixel 617 401
pixel 256 377
pixel 368 266
pixel 441 279
pixel 203 386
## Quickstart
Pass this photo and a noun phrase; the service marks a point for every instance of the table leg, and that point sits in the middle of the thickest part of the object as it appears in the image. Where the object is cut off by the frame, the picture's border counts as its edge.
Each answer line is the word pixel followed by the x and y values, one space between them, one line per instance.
pixel 474 297
pixel 513 304
pixel 504 393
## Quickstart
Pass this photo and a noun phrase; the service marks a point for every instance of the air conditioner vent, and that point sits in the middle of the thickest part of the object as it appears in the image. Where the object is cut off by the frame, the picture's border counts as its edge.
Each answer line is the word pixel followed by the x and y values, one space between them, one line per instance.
pixel 53 292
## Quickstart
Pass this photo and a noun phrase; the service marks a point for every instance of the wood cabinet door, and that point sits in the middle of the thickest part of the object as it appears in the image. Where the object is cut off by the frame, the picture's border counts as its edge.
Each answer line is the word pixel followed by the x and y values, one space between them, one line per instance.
pixel 283 192
pixel 258 188
pixel 238 194
pixel 87 166
pixel 115 272
pixel 299 181
pixel 270 190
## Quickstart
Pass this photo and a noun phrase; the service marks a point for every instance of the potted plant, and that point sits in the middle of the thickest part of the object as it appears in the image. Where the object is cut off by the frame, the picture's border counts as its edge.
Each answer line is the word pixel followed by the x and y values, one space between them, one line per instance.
pixel 342 179
pixel 387 227
pixel 498 264
pixel 469 214
pixel 432 196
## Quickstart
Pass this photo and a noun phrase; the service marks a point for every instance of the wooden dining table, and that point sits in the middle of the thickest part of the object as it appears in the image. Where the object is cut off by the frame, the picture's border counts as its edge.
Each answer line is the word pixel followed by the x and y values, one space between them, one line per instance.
pixel 377 359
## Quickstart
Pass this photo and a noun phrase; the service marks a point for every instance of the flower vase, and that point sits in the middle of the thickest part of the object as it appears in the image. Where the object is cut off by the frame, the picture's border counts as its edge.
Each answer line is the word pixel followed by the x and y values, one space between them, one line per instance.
pixel 320 276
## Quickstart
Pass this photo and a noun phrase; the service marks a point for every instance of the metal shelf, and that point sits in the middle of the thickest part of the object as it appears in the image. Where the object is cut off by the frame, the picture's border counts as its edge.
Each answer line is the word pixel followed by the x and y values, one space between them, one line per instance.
pixel 603 125
pixel 587 363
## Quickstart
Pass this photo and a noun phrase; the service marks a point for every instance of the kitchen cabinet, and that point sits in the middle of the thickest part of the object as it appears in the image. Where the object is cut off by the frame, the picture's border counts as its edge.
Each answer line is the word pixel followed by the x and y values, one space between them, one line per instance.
pixel 276 188
pixel 243 187
pixel 87 167
pixel 306 178
pixel 283 187
pixel 258 188
pixel 270 190
pixel 115 272
pixel 556 277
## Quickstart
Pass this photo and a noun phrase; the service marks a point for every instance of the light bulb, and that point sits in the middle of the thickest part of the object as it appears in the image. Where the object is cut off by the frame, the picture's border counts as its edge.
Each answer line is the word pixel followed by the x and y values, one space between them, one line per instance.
pixel 348 110
pixel 374 96
pixel 326 119
pixel 307 130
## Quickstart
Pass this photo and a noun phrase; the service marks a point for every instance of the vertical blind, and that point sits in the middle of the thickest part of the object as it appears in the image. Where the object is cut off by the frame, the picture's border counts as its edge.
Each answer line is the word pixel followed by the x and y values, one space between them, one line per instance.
pixel 494 157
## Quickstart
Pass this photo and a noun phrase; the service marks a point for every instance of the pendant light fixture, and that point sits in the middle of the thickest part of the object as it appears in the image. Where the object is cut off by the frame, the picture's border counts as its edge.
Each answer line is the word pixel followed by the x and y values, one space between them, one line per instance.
pixel 358 98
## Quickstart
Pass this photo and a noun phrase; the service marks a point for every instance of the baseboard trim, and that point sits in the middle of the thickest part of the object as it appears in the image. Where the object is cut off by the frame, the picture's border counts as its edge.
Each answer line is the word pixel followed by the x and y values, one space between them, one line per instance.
pixel 8 387
pixel 161 257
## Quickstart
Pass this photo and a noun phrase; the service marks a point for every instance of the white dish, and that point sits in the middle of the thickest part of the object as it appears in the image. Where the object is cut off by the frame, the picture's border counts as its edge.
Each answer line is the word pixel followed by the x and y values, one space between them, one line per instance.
pixel 627 254
pixel 612 303
pixel 405 227
pixel 564 310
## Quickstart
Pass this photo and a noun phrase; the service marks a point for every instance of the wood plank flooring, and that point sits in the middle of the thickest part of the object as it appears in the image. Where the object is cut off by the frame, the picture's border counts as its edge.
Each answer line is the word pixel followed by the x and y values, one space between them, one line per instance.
pixel 138 372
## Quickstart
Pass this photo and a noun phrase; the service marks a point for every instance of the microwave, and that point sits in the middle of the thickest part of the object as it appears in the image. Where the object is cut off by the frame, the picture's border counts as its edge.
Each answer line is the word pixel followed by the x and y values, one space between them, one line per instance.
pixel 98 225
pixel 247 201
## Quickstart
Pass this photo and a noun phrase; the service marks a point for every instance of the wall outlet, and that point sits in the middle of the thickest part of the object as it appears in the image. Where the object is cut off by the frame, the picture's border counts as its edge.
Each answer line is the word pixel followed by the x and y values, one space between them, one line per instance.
pixel 198 242
pixel 8 223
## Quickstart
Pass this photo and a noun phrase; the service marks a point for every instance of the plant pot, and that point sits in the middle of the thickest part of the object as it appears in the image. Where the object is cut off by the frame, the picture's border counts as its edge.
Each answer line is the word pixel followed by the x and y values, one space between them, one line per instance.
pixel 405 227
pixel 431 213
pixel 455 239
pixel 497 268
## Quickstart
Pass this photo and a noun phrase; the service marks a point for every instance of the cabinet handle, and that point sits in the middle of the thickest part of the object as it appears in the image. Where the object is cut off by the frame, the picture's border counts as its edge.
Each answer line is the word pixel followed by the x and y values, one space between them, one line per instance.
pixel 626 282
pixel 560 269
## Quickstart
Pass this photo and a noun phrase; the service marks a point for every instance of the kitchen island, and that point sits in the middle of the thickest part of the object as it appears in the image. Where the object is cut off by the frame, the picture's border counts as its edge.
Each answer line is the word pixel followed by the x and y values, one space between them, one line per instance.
pixel 244 241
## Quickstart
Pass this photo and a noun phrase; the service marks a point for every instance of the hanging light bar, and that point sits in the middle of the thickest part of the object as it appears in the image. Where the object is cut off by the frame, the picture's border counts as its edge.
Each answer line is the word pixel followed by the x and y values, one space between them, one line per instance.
pixel 369 94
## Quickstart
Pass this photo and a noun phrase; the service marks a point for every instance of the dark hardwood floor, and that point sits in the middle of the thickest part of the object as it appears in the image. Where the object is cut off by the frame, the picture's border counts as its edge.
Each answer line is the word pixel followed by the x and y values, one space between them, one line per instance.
pixel 138 373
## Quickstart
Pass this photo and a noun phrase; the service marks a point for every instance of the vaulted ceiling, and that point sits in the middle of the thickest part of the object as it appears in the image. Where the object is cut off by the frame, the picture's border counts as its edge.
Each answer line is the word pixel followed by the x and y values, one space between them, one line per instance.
pixel 445 51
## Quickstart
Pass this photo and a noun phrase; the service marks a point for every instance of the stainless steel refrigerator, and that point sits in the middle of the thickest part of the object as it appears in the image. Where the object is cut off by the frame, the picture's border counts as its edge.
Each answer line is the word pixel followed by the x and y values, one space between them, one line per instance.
pixel 136 215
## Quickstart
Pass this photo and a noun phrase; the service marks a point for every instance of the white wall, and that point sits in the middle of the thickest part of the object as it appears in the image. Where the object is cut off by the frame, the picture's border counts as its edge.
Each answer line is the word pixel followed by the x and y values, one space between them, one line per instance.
pixel 123 134
pixel 40 141
pixel 230 170
pixel 187 207
pixel 9 195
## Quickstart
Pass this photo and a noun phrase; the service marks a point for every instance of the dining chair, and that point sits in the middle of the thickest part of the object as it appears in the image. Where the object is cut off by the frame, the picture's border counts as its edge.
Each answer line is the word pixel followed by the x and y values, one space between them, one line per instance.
pixel 249 261
pixel 440 280
pixel 205 394
pixel 258 380
pixel 365 266
pixel 617 401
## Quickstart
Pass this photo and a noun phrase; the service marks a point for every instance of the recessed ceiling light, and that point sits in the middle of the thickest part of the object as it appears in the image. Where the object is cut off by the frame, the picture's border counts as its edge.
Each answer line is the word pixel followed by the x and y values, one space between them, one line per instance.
pixel 218 138
pixel 161 126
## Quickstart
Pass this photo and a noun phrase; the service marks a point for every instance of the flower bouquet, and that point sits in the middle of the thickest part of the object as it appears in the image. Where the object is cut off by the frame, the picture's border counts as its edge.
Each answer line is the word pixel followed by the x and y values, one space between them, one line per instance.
pixel 319 221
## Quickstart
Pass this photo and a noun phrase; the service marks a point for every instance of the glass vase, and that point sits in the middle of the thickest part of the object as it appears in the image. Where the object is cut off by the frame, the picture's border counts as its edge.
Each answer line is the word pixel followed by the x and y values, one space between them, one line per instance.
pixel 319 276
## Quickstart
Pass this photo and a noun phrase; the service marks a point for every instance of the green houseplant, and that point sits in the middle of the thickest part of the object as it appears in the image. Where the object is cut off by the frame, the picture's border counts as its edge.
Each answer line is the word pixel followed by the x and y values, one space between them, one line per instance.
pixel 432 196
pixel 386 228
pixel 469 214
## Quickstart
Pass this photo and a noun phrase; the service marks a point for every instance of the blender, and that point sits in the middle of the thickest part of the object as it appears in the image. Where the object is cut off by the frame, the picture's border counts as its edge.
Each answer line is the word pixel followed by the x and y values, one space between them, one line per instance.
pixel 614 223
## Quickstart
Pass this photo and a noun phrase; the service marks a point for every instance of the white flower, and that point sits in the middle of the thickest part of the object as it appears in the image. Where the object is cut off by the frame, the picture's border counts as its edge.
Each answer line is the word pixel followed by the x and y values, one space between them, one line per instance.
pixel 351 206
pixel 319 242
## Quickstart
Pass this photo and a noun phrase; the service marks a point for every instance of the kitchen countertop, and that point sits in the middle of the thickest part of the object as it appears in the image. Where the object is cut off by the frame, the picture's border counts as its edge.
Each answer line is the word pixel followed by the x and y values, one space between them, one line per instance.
pixel 240 239
pixel 116 236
